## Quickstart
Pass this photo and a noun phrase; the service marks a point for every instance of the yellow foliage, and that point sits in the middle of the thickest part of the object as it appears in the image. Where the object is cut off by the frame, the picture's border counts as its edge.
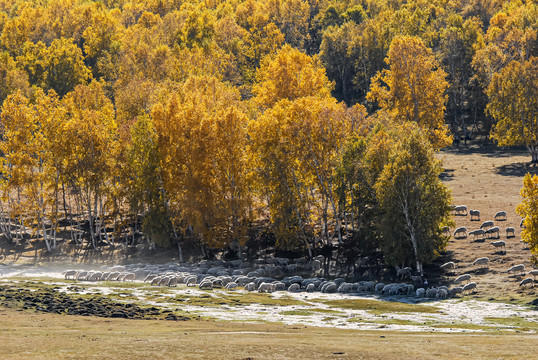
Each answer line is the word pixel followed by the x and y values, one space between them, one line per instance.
pixel 528 209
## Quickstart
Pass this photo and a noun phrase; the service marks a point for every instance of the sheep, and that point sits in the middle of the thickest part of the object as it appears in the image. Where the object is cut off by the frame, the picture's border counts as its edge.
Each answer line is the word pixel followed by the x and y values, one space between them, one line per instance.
pixel 165 281
pixel 206 285
pixel 81 275
pixel 484 261
pixel 70 274
pixel 487 224
pixel 150 277
pixel 493 230
pixel 379 287
pixel 499 244
pixel 469 287
pixel 250 286
pixel 442 293
pixel 129 277
pixel 461 230
pixel 461 210
pixel 403 273
pixel 510 232
pixel 96 276
pixel 500 216
pixel 516 268
pixel 534 273
pixel 420 292
pixel 114 276
pixel 431 293
pixel 191 280
pixel 231 286
pixel 477 232
pixel 448 265
pixel 445 231
pixel 329 288
pixel 310 287
pixel 522 223
pixel 280 286
pixel 345 287
pixel 527 281
pixel 105 276
pixel 156 280
pixel 475 213
pixel 370 285
pixel 173 281
pixel 456 290
pixel 294 288
pixel 464 277
pixel 266 287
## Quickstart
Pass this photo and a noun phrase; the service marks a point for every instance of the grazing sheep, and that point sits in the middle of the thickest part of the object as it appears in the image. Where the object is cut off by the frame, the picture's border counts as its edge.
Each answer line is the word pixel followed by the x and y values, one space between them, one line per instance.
pixel 129 277
pixel 487 224
pixel 280 286
pixel 522 223
pixel 345 287
pixel 266 287
pixel 96 276
pixel 464 277
pixel 442 293
pixel 494 230
pixel 231 286
pixel 310 287
pixel 499 244
pixel 462 231
pixel 150 277
pixel 534 273
pixel 121 277
pixel 516 268
pixel 165 281
pixel 379 288
pixel 484 261
pixel 446 231
pixel 420 292
pixel 461 210
pixel 474 213
pixel 469 287
pixel 477 232
pixel 191 280
pixel 448 265
pixel 294 288
pixel 329 288
pixel 105 276
pixel 156 280
pixel 527 281
pixel 500 216
pixel 456 290
pixel 370 285
pixel 70 274
pixel 173 281
pixel 206 285
pixel 81 275
pixel 431 293
pixel 510 232
pixel 114 276
pixel 251 286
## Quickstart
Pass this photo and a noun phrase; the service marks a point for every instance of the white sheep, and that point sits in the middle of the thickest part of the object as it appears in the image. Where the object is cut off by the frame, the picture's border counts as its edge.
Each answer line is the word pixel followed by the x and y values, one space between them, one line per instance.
pixel 294 287
pixel 461 210
pixel 475 213
pixel 280 286
pixel 81 275
pixel 470 286
pixel 500 216
pixel 206 285
pixel 129 277
pixel 494 230
pixel 522 223
pixel 448 265
pixel 329 288
pixel 191 280
pixel 516 268
pixel 231 286
pixel 445 231
pixel 487 224
pixel 464 277
pixel 499 244
pixel 150 277
pixel 251 286
pixel 420 292
pixel 156 280
pixel 461 230
pixel 70 274
pixel 456 290
pixel 442 293
pixel 165 281
pixel 345 287
pixel 510 232
pixel 431 292
pixel 477 232
pixel 173 281
pixel 310 287
pixel 484 261
pixel 266 287
pixel 403 273
pixel 527 281
pixel 534 273
pixel 379 288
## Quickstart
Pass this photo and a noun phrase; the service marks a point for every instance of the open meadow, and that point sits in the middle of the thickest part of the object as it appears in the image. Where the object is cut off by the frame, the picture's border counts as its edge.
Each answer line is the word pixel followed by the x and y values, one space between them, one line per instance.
pixel 43 315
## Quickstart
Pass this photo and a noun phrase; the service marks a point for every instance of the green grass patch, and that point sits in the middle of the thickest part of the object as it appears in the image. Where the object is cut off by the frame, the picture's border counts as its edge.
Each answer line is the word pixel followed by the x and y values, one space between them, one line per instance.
pixel 236 300
pixel 516 322
pixel 379 307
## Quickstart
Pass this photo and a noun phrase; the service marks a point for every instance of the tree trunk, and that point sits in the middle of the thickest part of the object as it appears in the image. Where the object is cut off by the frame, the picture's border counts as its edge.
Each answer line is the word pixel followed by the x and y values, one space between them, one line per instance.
pixel 413 238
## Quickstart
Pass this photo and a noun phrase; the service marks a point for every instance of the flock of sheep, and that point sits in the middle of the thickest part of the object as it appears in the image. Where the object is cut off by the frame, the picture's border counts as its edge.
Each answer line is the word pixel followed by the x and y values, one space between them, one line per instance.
pixel 486 230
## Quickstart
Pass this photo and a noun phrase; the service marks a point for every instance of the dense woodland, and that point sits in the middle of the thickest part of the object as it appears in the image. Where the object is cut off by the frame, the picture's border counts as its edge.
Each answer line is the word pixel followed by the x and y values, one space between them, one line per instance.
pixel 216 125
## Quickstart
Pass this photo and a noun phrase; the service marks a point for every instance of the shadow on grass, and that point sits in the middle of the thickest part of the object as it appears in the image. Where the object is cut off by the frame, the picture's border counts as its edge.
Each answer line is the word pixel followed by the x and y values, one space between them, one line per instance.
pixel 516 169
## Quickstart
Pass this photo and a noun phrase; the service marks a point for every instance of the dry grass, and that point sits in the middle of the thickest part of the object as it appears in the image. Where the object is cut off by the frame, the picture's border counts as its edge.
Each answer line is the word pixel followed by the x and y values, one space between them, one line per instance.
pixel 47 336
pixel 488 179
